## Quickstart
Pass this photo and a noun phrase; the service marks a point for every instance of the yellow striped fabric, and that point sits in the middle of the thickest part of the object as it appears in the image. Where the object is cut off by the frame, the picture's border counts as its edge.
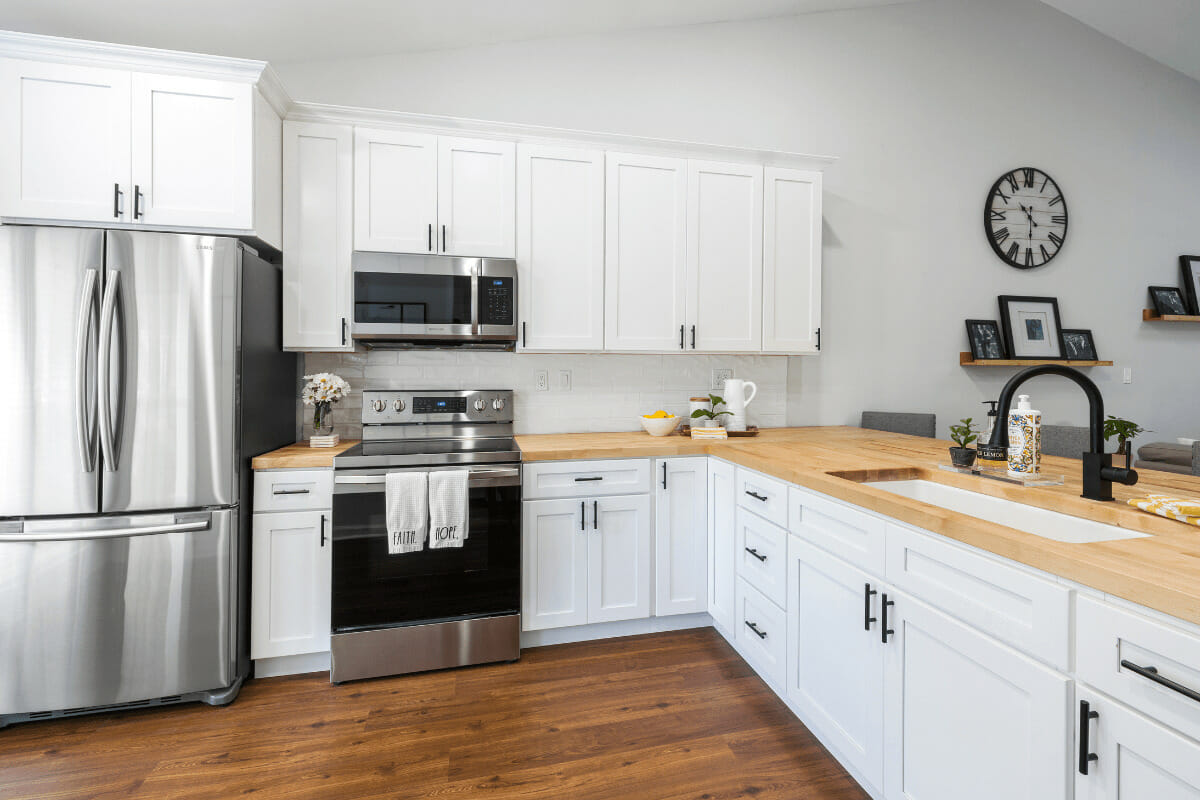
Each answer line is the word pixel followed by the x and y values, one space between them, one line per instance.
pixel 1170 507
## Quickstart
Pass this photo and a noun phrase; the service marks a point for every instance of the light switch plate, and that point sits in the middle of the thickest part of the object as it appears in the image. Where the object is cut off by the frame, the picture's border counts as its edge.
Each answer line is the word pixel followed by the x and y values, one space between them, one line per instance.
pixel 718 378
pixel 564 380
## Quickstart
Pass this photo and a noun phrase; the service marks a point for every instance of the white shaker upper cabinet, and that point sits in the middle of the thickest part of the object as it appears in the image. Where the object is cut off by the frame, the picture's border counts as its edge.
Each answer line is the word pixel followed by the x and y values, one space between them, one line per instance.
pixel 395 191
pixel 560 248
pixel 724 256
pixel 64 142
pixel 791 261
pixel 193 152
pixel 317 188
pixel 476 195
pixel 645 269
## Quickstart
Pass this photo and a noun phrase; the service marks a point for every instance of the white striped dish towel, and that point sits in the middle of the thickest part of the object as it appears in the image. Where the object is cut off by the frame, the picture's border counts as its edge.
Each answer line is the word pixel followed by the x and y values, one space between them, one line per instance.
pixel 448 508
pixel 406 500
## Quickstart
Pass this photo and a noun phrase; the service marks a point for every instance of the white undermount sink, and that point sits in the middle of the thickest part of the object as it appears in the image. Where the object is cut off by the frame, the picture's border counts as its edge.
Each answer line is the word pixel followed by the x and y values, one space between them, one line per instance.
pixel 1038 521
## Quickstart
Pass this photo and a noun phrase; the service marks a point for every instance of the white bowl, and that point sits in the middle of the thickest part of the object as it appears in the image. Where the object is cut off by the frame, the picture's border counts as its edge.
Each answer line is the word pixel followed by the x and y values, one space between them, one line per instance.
pixel 661 426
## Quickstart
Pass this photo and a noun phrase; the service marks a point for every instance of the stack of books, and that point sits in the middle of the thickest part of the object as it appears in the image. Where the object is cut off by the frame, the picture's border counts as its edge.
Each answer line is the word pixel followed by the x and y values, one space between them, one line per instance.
pixel 324 441
pixel 709 433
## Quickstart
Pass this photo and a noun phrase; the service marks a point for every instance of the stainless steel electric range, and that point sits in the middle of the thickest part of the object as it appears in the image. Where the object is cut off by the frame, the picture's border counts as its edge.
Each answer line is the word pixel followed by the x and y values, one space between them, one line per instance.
pixel 432 609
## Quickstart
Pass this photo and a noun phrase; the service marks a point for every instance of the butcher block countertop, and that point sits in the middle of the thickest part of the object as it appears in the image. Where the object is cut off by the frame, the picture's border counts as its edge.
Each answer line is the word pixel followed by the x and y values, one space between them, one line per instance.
pixel 301 456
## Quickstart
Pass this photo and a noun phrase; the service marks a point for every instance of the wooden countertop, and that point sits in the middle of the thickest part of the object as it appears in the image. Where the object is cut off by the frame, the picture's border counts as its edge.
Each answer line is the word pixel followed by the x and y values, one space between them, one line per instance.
pixel 1161 571
pixel 301 456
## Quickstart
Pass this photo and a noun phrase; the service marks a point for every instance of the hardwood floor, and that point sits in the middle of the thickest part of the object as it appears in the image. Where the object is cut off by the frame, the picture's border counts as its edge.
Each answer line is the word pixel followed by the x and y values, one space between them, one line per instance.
pixel 660 717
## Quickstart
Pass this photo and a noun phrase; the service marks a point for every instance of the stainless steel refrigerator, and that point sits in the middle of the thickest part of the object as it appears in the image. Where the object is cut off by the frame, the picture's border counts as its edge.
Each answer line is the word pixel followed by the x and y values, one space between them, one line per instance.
pixel 139 372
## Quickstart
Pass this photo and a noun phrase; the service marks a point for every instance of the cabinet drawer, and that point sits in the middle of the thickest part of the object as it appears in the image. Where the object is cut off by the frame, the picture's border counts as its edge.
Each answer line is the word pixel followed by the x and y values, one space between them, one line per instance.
pixel 762 556
pixel 765 496
pixel 1030 613
pixel 761 633
pixel 846 532
pixel 1106 636
pixel 293 490
pixel 550 479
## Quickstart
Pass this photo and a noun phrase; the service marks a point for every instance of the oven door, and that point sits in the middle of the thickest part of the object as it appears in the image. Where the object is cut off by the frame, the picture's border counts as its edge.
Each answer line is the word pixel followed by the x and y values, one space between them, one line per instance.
pixel 372 589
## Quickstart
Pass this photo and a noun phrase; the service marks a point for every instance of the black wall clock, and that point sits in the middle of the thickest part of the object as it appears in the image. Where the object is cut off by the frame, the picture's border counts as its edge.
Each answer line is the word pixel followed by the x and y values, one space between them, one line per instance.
pixel 1025 218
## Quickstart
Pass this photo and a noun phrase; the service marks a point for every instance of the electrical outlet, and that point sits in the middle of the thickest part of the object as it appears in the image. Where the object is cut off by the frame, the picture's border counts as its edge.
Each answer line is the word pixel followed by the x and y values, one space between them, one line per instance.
pixel 543 380
pixel 1128 376
pixel 718 378
pixel 564 380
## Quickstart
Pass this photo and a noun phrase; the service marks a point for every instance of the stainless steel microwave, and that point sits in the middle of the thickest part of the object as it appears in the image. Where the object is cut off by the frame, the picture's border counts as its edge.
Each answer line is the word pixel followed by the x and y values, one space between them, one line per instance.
pixel 417 300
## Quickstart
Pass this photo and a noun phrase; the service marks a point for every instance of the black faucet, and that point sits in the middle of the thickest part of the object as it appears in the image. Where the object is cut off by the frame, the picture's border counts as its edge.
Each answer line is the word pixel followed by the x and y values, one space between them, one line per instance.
pixel 1098 471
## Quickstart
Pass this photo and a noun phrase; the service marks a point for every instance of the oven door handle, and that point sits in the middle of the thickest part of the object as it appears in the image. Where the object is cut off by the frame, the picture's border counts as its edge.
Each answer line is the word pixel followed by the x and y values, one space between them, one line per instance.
pixel 507 476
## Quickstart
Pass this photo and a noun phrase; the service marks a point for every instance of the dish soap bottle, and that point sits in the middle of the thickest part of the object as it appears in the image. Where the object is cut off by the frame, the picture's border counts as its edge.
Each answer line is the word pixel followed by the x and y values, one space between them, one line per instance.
pixel 991 457
pixel 1024 440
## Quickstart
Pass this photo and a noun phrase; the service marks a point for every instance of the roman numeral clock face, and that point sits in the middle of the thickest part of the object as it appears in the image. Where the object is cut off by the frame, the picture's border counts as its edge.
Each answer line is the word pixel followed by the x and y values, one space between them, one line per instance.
pixel 1026 218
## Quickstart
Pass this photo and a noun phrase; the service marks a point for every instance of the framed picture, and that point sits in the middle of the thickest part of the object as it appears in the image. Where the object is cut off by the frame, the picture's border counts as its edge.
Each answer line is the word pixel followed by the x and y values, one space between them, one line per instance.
pixel 1191 281
pixel 1168 300
pixel 1078 345
pixel 987 343
pixel 1032 328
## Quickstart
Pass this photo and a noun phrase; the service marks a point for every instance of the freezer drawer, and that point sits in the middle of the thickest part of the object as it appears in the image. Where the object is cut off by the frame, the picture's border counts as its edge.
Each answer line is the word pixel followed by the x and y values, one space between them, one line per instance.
pixel 108 610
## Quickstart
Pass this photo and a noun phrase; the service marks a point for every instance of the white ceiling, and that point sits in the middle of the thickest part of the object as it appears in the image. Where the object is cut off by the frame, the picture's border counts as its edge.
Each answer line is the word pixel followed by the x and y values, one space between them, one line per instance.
pixel 313 30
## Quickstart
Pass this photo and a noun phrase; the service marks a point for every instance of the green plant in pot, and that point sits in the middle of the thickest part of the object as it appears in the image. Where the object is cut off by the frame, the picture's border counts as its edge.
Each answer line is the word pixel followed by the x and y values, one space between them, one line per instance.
pixel 1125 430
pixel 963 434
pixel 711 416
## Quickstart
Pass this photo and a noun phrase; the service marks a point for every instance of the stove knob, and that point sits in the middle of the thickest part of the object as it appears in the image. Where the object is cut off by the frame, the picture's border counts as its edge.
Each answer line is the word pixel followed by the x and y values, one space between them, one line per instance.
pixel 479 404
pixel 398 405
pixel 378 405
pixel 498 404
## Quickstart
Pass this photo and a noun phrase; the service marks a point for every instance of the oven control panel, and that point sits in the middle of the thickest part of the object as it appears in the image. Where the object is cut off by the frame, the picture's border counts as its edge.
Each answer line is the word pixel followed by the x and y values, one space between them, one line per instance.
pixel 398 406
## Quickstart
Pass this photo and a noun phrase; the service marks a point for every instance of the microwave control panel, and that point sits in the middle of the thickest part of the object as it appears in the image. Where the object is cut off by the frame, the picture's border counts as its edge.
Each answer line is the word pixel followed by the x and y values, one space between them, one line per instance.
pixel 496 303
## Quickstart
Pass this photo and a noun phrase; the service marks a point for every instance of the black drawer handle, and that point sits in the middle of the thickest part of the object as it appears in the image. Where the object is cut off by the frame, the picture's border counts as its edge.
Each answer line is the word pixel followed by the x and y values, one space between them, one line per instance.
pixel 755 553
pixel 289 491
pixel 757 632
pixel 868 593
pixel 585 480
pixel 1151 673
pixel 757 496
pixel 1086 715
pixel 886 630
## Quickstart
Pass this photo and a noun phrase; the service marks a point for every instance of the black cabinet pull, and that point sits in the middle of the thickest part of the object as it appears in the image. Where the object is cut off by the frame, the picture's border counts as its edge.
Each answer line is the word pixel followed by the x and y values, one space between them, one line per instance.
pixel 757 496
pixel 137 205
pixel 818 338
pixel 343 331
pixel 585 480
pixel 443 238
pixel 885 629
pixel 664 476
pixel 680 337
pixel 289 491
pixel 322 530
pixel 1086 715
pixel 1151 674
pixel 754 627
pixel 524 341
pixel 429 237
pixel 117 200
pixel 868 593
pixel 583 515
pixel 596 515
pixel 693 337
pixel 755 553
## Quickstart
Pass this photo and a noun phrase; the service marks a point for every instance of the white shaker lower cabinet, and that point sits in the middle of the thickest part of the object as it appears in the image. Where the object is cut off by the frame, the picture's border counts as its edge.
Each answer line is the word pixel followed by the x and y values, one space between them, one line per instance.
pixel 290 584
pixel 835 655
pixel 966 716
pixel 722 543
pixel 680 535
pixel 554 568
pixel 619 573
pixel 1135 758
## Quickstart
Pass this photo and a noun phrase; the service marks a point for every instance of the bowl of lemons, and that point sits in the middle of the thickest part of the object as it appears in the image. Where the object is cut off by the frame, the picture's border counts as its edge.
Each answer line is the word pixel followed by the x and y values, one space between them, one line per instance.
pixel 660 423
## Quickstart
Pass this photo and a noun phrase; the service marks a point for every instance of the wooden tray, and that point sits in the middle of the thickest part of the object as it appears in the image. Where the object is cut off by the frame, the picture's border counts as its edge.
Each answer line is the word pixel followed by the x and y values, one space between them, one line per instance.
pixel 751 430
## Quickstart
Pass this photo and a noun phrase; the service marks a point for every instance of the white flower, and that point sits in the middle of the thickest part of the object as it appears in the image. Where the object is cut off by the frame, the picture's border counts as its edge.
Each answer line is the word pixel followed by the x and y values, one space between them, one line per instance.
pixel 323 387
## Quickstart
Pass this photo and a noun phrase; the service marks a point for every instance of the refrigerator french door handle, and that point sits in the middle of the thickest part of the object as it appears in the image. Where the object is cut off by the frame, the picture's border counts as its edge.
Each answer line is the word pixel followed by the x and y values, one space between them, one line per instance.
pixel 85 412
pixel 107 318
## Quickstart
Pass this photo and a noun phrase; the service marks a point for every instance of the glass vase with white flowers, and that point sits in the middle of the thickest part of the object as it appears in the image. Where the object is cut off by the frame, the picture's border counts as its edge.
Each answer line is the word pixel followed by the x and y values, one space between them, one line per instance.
pixel 321 392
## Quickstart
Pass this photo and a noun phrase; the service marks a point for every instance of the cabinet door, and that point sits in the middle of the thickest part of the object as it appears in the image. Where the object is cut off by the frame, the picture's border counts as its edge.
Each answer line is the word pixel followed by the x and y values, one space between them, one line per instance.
pixel 64 142
pixel 680 536
pixel 395 191
pixel 1136 758
pixel 560 248
pixel 476 197
pixel 290 585
pixel 722 541
pixel 965 716
pixel 193 152
pixel 317 186
pixel 619 574
pixel 724 256
pixel 835 655
pixel 645 269
pixel 791 261
pixel 554 571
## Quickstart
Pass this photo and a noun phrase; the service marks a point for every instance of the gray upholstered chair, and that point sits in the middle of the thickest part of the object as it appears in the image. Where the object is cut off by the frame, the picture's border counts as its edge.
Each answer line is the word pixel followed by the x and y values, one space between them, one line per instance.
pixel 1182 459
pixel 1067 441
pixel 894 422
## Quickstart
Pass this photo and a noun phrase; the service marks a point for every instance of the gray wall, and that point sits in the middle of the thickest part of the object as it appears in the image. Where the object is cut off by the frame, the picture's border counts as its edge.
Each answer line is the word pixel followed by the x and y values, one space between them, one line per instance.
pixel 925 104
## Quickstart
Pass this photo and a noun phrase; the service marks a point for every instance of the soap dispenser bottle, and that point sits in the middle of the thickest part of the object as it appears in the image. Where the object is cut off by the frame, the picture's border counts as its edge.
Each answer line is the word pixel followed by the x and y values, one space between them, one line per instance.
pixel 991 457
pixel 1024 440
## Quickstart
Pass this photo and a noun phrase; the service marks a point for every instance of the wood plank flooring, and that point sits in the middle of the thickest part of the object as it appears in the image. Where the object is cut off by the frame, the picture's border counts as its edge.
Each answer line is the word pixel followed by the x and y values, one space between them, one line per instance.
pixel 669 716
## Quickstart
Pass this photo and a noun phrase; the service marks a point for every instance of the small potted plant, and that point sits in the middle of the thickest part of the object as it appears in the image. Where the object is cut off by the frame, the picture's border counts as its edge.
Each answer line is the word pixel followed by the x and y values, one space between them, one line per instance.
pixel 321 392
pixel 1125 431
pixel 711 416
pixel 963 434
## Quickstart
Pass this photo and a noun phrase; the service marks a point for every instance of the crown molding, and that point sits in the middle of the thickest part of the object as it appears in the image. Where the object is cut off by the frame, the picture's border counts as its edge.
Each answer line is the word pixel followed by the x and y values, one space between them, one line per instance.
pixel 428 123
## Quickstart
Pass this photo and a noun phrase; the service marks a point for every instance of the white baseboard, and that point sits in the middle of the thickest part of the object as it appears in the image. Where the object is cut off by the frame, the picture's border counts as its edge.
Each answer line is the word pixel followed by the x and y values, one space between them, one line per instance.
pixel 608 630
pixel 291 665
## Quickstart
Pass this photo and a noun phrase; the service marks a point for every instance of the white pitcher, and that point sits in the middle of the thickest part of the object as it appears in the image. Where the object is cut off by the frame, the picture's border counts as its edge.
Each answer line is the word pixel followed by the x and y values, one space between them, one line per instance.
pixel 736 401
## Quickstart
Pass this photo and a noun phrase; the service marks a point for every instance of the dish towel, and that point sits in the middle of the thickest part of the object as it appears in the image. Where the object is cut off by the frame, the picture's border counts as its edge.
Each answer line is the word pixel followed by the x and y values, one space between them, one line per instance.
pixel 406 500
pixel 448 508
pixel 1170 507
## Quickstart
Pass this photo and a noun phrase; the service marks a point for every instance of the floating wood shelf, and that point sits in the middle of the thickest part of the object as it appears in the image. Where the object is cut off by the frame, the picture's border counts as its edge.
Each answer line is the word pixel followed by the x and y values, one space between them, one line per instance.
pixel 1149 315
pixel 966 360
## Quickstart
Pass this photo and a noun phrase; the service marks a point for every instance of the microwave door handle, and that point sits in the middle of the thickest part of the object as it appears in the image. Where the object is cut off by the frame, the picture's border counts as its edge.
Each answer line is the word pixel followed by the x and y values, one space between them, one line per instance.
pixel 475 326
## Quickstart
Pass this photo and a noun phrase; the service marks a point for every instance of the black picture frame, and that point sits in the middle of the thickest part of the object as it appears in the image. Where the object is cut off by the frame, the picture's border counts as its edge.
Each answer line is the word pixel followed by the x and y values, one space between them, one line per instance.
pixel 1168 301
pixel 986 340
pixel 1079 345
pixel 1190 266
pixel 1016 345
